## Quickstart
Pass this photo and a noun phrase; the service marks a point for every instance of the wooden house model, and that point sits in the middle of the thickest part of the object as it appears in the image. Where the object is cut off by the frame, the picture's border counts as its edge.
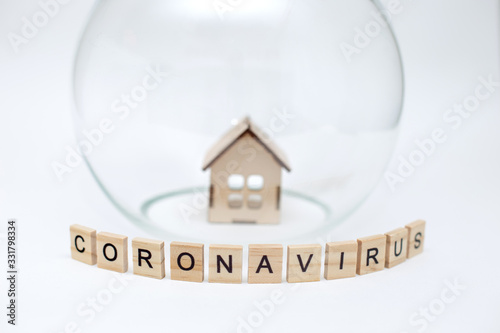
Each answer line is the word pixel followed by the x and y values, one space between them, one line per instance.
pixel 245 179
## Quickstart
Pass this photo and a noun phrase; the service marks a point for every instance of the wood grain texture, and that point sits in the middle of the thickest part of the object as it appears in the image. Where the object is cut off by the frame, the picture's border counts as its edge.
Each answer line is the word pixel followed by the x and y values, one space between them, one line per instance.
pixel 396 247
pixel 233 162
pixel 225 263
pixel 148 257
pixel 83 244
pixel 187 261
pixel 112 252
pixel 371 254
pixel 341 259
pixel 303 263
pixel 416 237
pixel 265 263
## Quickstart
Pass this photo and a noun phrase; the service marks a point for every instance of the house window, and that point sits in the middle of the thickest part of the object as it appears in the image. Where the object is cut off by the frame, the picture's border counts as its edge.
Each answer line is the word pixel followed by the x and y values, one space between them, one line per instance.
pixel 254 201
pixel 255 182
pixel 235 200
pixel 235 182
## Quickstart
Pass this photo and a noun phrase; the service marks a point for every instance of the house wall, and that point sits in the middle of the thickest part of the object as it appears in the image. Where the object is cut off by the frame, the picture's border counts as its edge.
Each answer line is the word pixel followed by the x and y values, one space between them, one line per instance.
pixel 246 157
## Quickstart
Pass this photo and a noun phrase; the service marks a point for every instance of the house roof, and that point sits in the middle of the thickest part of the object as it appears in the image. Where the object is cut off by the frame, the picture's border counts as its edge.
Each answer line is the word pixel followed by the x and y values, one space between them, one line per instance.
pixel 244 126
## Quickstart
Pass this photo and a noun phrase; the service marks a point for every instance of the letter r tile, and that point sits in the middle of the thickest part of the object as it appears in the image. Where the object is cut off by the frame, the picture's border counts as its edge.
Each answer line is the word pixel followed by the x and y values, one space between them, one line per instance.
pixel 149 257
pixel 371 254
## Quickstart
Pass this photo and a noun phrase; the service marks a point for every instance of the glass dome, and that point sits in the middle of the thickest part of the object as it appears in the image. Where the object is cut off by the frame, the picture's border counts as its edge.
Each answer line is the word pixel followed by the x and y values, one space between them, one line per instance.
pixel 157 83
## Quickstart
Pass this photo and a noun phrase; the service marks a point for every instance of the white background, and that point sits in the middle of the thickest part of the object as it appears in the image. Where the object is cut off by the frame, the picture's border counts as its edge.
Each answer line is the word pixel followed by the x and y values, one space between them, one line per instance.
pixel 446 45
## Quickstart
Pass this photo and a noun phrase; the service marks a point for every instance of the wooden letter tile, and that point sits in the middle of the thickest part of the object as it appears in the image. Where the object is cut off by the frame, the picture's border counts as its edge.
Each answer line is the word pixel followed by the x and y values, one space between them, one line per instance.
pixel 186 261
pixel 265 263
pixel 148 257
pixel 416 237
pixel 396 247
pixel 371 254
pixel 83 244
pixel 341 259
pixel 225 263
pixel 303 263
pixel 112 252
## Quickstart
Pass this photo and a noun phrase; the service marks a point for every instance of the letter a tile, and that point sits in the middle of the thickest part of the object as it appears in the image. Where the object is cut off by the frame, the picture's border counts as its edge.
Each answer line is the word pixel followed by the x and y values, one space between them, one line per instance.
pixel 265 263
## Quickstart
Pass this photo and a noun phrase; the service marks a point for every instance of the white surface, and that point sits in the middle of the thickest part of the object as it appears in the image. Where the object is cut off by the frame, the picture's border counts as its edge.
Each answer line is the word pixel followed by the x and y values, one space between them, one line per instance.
pixel 446 46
